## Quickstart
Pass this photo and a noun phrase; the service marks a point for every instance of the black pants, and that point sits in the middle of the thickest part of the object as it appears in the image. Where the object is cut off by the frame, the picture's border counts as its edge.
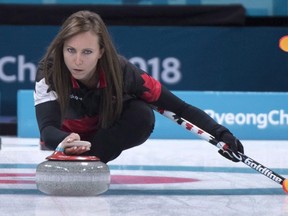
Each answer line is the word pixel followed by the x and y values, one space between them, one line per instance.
pixel 132 129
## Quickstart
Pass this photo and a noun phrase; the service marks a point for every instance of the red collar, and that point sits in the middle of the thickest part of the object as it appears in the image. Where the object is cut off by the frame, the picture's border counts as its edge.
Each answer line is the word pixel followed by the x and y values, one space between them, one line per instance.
pixel 101 83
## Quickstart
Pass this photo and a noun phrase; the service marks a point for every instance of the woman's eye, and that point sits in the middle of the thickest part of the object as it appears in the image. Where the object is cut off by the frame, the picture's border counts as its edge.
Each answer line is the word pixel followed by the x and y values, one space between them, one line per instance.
pixel 71 50
pixel 87 52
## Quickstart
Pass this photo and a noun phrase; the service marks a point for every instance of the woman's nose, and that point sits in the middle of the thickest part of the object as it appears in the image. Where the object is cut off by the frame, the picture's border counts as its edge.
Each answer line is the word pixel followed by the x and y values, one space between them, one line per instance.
pixel 78 60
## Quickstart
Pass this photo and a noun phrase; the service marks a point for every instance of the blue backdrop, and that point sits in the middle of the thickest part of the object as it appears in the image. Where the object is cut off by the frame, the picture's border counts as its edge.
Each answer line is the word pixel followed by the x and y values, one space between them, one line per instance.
pixel 249 115
pixel 182 58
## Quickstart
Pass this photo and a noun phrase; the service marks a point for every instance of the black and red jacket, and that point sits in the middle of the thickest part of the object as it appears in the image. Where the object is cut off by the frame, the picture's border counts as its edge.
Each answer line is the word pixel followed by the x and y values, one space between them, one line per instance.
pixel 82 114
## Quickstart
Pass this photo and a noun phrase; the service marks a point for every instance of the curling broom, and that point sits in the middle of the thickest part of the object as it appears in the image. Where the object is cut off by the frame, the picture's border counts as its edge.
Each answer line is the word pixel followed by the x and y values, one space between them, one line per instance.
pixel 208 137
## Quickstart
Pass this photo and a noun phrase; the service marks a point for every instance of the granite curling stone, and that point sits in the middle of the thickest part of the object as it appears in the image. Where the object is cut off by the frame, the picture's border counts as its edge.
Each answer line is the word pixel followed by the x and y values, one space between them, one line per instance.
pixel 64 175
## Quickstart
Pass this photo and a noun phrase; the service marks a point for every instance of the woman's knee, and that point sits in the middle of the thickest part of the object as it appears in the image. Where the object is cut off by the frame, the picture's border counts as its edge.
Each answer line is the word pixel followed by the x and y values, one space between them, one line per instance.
pixel 132 129
pixel 141 117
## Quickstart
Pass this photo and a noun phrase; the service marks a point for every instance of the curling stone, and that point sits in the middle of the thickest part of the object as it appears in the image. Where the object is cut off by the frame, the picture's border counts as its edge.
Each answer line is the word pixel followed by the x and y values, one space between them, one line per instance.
pixel 65 175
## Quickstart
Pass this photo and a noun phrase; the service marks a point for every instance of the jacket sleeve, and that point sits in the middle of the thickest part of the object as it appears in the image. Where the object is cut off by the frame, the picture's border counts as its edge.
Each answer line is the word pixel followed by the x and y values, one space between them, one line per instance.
pixel 145 87
pixel 198 117
pixel 48 113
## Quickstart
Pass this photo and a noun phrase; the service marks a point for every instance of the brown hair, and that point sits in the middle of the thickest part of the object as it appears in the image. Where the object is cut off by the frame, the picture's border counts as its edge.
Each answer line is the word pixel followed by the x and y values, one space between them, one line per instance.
pixel 58 76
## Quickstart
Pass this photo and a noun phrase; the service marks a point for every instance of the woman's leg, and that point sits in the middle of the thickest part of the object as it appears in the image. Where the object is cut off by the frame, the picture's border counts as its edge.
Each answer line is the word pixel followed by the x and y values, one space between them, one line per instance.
pixel 132 129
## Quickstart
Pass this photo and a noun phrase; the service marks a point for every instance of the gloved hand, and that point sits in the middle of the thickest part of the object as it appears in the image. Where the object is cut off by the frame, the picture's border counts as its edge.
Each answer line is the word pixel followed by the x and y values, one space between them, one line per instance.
pixel 235 146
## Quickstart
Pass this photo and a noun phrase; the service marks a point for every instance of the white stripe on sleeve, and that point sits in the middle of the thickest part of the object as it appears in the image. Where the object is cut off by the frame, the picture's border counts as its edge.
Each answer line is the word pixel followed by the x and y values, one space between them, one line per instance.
pixel 41 93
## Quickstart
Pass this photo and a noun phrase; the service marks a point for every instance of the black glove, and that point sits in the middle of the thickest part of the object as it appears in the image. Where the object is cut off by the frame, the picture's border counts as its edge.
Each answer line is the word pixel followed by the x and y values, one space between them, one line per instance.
pixel 235 146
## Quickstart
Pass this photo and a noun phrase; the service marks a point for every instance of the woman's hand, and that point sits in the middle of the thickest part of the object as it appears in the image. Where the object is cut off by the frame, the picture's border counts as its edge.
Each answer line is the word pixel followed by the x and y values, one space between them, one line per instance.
pixel 235 146
pixel 74 150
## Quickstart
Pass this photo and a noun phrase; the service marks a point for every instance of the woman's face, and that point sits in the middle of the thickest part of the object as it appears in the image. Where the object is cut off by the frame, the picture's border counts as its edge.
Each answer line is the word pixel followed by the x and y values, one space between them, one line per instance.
pixel 81 54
